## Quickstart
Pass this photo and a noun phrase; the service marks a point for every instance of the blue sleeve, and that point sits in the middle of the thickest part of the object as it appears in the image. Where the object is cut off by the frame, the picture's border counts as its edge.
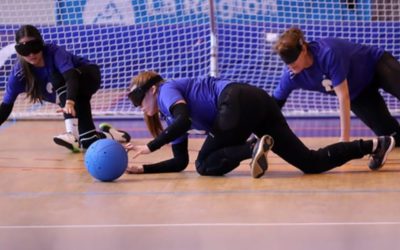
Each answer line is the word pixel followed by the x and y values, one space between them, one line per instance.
pixel 285 87
pixel 168 96
pixel 335 65
pixel 15 86
pixel 63 60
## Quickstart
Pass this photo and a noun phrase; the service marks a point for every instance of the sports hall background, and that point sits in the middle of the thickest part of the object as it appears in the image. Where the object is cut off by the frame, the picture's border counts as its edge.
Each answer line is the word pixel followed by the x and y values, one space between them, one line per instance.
pixel 173 37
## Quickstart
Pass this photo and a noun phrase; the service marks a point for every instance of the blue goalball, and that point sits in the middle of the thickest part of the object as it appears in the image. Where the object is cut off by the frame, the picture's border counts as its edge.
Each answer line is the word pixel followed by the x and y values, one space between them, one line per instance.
pixel 106 160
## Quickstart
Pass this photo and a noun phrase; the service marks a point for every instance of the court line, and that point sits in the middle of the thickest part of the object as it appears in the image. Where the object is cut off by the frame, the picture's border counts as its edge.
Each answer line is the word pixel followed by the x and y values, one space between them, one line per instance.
pixel 199 193
pixel 41 168
pixel 155 225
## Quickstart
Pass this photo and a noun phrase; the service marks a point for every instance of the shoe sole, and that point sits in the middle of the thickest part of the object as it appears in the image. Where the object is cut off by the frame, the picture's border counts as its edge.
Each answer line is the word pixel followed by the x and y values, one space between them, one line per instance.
pixel 105 127
pixel 66 145
pixel 259 166
pixel 391 146
pixel 259 163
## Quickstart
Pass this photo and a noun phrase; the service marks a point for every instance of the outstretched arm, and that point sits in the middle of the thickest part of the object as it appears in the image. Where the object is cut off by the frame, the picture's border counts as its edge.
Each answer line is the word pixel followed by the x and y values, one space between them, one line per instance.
pixel 176 164
pixel 178 128
pixel 342 93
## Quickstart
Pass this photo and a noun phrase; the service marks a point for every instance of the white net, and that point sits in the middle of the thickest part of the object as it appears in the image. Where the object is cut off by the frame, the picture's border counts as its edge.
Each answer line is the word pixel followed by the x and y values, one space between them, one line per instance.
pixel 172 37
pixel 246 44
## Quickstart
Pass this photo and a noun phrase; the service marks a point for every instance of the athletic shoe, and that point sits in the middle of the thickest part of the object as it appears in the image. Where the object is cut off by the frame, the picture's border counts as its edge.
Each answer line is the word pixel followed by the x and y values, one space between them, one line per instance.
pixel 385 145
pixel 118 135
pixel 252 140
pixel 69 141
pixel 259 162
pixel 89 138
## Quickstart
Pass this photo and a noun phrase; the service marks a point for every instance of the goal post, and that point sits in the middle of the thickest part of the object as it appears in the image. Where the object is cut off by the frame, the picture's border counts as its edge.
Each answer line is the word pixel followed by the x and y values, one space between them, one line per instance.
pixel 188 38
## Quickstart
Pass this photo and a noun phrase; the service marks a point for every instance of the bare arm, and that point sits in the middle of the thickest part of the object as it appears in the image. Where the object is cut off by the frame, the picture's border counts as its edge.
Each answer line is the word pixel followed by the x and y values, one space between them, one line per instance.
pixel 342 93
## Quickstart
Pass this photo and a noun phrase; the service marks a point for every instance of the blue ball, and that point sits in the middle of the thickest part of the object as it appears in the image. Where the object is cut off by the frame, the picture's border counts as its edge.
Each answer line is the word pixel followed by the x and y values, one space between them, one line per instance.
pixel 106 160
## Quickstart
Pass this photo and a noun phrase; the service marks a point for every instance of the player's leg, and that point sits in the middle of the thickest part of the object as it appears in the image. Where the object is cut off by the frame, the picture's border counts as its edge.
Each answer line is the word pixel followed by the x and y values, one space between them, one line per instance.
pixel 290 148
pixel 222 152
pixel 387 77
pixel 387 74
pixel 89 79
pixel 86 128
pixel 370 107
pixel 225 146
pixel 69 139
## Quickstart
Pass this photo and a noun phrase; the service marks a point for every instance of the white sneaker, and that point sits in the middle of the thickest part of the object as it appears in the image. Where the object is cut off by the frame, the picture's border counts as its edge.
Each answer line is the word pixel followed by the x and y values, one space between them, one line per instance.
pixel 69 141
pixel 118 135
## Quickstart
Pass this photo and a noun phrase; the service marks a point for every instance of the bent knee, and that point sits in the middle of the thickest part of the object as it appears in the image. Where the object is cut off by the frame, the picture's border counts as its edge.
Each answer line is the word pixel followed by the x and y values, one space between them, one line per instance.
pixel 204 171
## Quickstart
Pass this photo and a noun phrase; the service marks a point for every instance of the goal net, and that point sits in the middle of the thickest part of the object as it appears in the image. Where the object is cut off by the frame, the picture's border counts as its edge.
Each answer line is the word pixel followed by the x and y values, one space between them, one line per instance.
pixel 182 38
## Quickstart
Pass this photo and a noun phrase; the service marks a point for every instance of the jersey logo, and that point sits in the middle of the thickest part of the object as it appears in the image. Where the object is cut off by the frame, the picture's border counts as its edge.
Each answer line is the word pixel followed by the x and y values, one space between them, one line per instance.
pixel 49 87
pixel 291 74
pixel 20 75
pixel 327 83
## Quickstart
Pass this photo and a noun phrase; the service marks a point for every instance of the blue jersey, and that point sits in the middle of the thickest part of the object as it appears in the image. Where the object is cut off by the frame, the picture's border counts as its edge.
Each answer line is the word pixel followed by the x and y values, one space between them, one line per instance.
pixel 56 60
pixel 201 96
pixel 334 60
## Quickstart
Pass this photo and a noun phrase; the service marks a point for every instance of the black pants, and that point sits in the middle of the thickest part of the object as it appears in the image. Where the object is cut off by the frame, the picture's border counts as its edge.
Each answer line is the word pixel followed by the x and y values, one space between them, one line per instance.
pixel 89 83
pixel 370 106
pixel 245 109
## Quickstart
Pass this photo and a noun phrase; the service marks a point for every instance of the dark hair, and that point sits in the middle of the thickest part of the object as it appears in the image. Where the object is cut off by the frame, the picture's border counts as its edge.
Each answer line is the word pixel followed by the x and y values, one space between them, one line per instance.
pixel 28 31
pixel 290 44
pixel 32 86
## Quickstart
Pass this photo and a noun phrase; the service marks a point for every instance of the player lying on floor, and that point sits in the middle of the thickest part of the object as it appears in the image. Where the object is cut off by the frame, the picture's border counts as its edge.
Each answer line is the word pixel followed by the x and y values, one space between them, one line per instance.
pixel 230 112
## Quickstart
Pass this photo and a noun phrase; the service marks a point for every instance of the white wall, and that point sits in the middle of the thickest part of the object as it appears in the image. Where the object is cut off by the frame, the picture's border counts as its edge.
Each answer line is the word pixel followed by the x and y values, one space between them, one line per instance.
pixel 27 12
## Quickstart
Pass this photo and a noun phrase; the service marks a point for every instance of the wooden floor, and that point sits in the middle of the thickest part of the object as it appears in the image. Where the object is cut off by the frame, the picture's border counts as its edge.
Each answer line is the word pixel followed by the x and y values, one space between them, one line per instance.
pixel 49 201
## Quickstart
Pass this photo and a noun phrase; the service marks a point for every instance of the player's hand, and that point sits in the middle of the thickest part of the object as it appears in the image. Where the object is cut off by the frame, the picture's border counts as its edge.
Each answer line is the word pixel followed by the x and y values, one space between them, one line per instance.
pixel 137 149
pixel 69 108
pixel 129 146
pixel 134 170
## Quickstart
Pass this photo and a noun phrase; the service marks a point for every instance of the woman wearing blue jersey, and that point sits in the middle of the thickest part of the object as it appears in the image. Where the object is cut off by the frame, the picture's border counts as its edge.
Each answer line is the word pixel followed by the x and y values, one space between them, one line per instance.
pixel 47 72
pixel 353 72
pixel 230 112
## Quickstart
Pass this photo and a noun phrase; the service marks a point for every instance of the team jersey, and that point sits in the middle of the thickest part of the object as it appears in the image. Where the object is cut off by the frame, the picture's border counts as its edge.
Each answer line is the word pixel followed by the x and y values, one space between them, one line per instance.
pixel 334 61
pixel 201 96
pixel 56 60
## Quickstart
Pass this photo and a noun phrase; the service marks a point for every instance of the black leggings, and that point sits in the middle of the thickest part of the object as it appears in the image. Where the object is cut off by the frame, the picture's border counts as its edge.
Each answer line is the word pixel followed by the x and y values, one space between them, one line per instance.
pixel 370 106
pixel 245 109
pixel 89 83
